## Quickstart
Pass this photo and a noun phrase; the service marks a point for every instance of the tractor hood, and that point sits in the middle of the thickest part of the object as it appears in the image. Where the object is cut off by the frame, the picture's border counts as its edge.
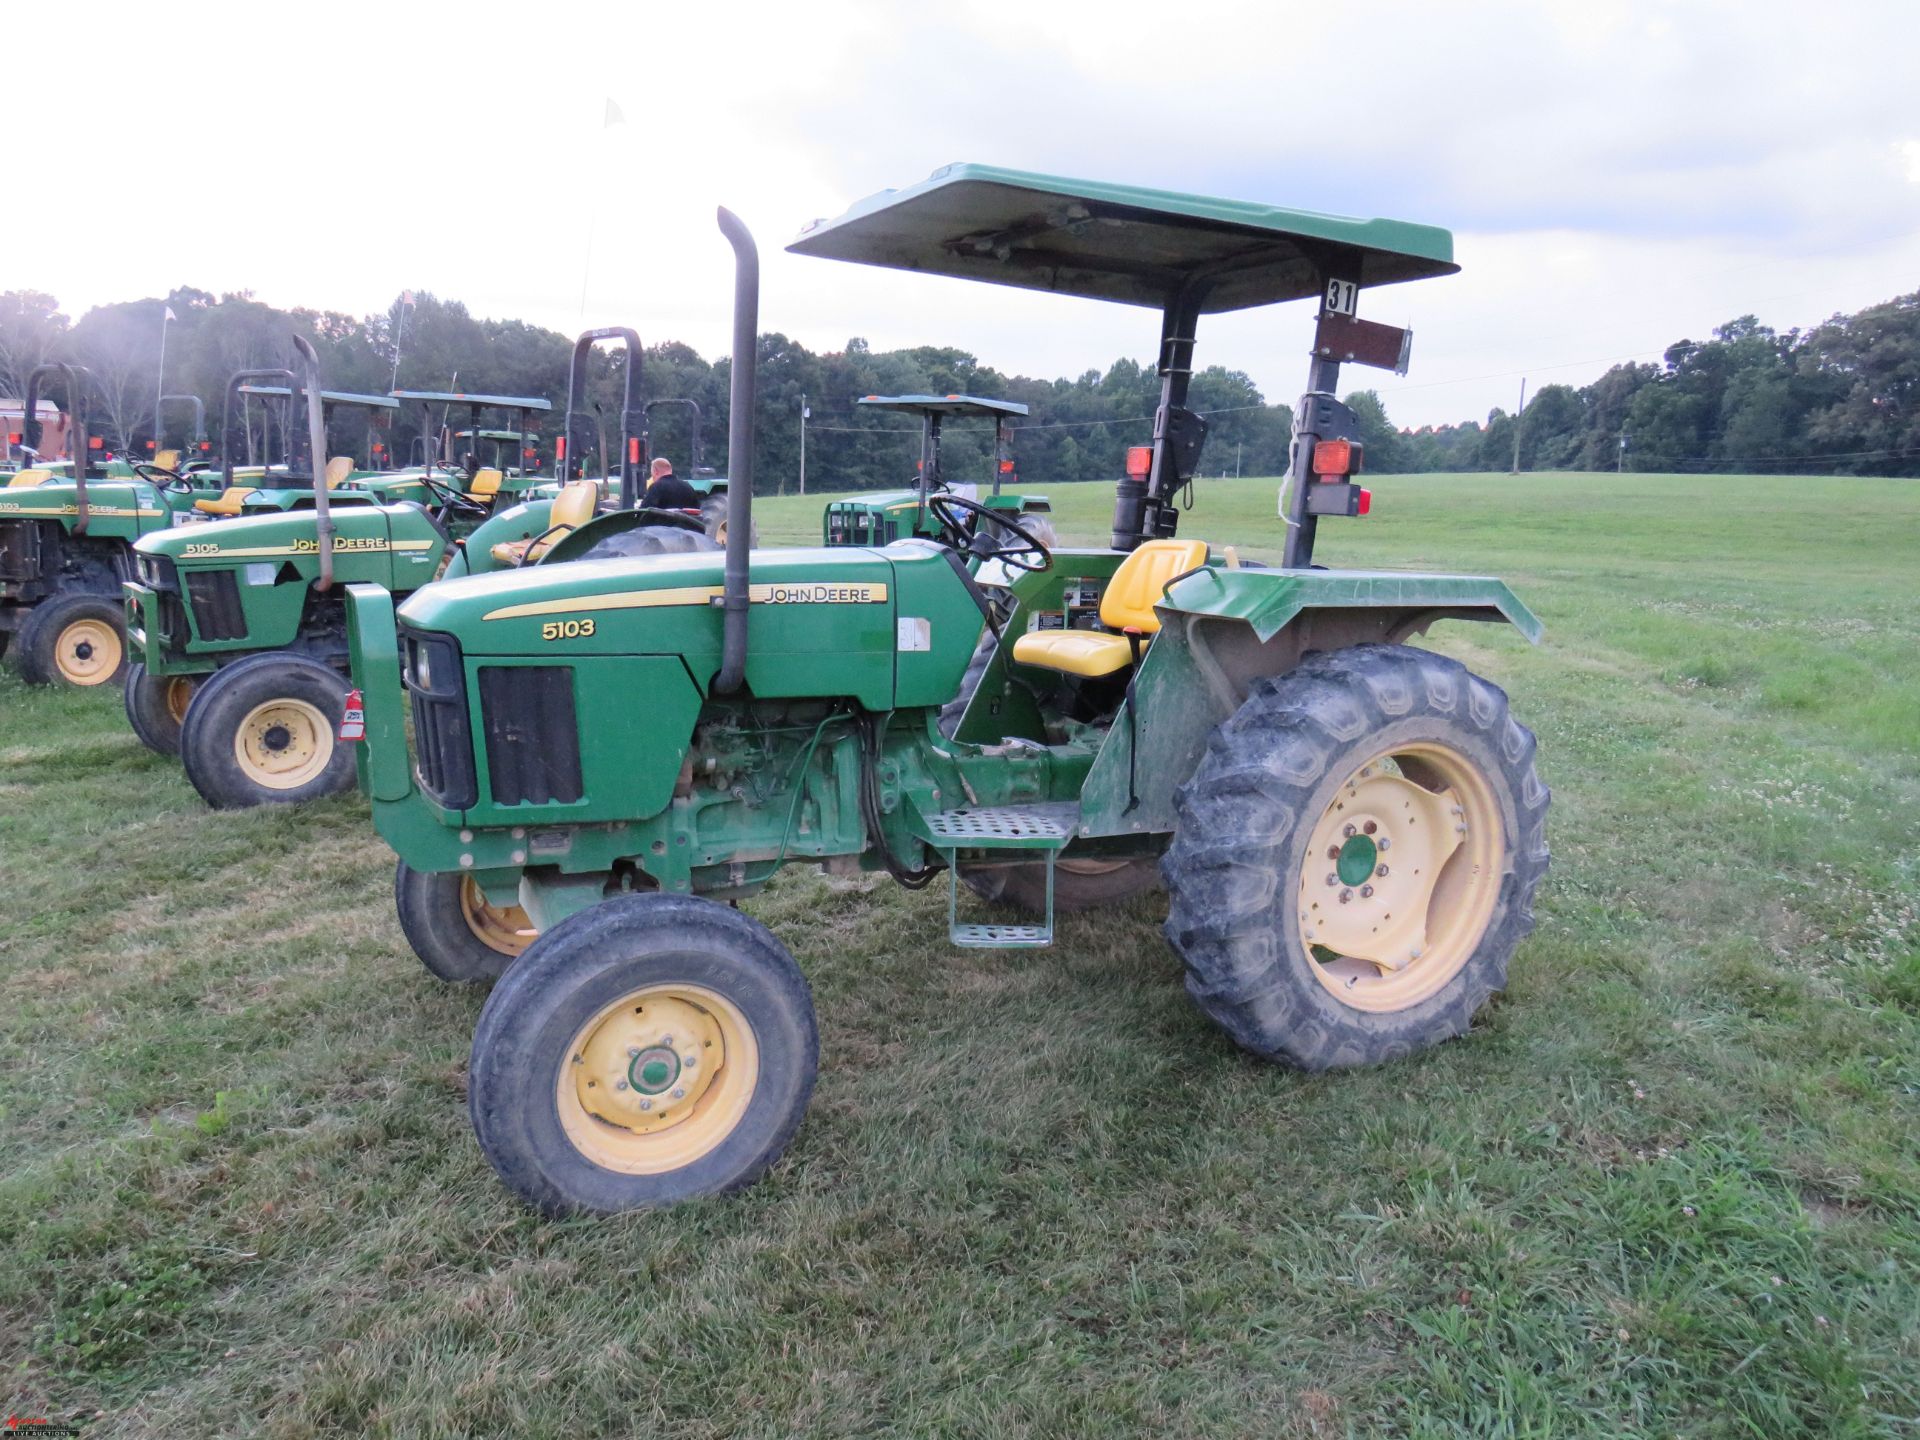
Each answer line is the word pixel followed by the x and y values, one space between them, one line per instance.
pixel 358 530
pixel 118 499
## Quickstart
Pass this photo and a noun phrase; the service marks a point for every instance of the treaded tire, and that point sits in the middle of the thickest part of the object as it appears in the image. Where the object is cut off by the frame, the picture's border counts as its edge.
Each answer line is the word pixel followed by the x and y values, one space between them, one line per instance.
pixel 436 926
pixel 35 656
pixel 222 705
pixel 590 961
pixel 1245 819
pixel 148 711
pixel 1025 886
pixel 648 540
pixel 714 511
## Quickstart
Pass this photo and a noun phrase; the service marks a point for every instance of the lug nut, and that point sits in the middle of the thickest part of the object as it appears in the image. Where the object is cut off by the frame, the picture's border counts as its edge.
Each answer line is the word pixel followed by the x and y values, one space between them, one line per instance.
pixel 1333 852
pixel 1384 843
pixel 679 1094
pixel 1381 871
pixel 1348 830
pixel 619 1084
pixel 646 1104
pixel 691 1061
pixel 1370 827
pixel 1366 892
pixel 666 1039
pixel 633 1052
pixel 1332 879
pixel 1345 896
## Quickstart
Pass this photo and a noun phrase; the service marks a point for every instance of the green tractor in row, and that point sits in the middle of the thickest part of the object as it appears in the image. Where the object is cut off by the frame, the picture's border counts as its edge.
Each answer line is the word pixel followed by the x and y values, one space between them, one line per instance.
pixel 1349 826
pixel 238 629
pixel 882 517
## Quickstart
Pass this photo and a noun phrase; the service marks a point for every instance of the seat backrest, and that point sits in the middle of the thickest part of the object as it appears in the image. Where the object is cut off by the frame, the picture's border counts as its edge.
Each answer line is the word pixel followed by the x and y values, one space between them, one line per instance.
pixel 485 484
pixel 574 506
pixel 1137 585
pixel 232 500
pixel 338 469
pixel 27 479
pixel 167 459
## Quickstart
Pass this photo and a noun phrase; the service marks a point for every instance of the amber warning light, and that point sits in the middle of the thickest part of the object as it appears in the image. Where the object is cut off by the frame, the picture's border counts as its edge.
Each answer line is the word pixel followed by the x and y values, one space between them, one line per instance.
pixel 1139 461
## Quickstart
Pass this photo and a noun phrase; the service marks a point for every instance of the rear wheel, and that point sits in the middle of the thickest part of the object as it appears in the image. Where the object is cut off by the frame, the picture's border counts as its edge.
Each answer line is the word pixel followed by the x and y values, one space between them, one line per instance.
pixel 1078 884
pixel 955 710
pixel 261 732
pixel 156 708
pixel 457 934
pixel 1356 858
pixel 714 512
pixel 645 1051
pixel 75 640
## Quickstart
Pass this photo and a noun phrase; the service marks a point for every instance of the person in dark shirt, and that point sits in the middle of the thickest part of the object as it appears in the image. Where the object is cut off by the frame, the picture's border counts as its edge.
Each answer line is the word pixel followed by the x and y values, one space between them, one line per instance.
pixel 667 491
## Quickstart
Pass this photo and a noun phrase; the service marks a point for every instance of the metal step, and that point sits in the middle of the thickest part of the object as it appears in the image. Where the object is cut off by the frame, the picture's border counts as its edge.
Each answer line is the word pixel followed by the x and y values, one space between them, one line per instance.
pixel 1001 937
pixel 1002 827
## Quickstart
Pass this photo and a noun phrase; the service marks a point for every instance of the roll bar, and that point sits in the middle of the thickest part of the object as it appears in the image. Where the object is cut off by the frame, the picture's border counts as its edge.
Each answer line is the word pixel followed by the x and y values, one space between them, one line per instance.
pixel 77 440
pixel 309 364
pixel 230 452
pixel 746 356
pixel 693 462
pixel 199 432
pixel 632 460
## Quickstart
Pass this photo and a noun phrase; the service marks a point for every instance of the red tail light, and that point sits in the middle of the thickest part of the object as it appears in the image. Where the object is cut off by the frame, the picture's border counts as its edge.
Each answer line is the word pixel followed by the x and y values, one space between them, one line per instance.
pixel 560 449
pixel 96 442
pixel 149 444
pixel 1140 461
pixel 1366 502
pixel 1333 458
pixel 1006 467
pixel 633 450
pixel 14 437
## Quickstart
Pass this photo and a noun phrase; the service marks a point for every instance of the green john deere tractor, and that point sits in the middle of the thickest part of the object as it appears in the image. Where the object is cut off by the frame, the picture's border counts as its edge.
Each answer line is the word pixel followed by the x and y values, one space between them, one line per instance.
pixel 1349 826
pixel 887 515
pixel 495 467
pixel 66 542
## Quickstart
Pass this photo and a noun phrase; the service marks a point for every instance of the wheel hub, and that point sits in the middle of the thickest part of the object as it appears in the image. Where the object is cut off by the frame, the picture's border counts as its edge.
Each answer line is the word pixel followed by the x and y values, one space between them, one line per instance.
pixel 1382 844
pixel 645 1067
pixel 277 738
pixel 1356 860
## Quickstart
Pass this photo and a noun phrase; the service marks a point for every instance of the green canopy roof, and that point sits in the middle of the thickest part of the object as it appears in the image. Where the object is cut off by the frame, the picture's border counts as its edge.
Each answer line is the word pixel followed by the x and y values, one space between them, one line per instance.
pixel 332 397
pixel 944 404
pixel 501 435
pixel 1119 242
pixel 502 402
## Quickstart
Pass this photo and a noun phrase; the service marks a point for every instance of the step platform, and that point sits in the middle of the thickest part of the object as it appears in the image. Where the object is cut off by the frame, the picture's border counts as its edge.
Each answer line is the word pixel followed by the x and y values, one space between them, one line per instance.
pixel 1042 830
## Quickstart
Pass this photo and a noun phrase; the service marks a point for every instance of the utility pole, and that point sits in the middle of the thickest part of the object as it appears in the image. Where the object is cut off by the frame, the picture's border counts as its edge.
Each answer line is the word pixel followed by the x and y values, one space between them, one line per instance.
pixel 804 413
pixel 1236 458
pixel 1620 460
pixel 1519 419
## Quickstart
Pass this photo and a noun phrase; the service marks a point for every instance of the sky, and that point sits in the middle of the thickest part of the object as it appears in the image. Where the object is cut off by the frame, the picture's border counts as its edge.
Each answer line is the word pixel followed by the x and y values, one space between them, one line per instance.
pixel 1617 175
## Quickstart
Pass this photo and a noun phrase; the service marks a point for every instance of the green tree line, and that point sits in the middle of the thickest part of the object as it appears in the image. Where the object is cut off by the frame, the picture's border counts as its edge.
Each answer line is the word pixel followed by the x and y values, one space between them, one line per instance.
pixel 1842 397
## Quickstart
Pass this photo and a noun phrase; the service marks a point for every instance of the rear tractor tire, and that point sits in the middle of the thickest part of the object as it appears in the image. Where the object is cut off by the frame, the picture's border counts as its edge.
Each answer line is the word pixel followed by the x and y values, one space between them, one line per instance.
pixel 644 1051
pixel 458 936
pixel 1078 883
pixel 75 640
pixel 261 732
pixel 156 709
pixel 1356 857
pixel 714 511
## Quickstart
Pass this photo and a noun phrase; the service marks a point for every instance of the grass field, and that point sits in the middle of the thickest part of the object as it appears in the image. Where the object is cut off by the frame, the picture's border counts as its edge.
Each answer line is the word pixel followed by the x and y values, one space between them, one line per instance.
pixel 1668 1186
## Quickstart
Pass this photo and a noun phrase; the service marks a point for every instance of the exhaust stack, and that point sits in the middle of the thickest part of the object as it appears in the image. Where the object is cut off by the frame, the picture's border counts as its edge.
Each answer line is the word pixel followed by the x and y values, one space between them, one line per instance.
pixel 746 340
pixel 309 364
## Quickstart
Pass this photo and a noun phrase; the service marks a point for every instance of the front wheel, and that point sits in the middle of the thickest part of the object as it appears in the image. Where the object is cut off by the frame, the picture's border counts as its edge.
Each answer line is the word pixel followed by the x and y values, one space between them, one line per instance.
pixel 1356 857
pixel 78 640
pixel 644 1051
pixel 458 935
pixel 261 732
pixel 156 708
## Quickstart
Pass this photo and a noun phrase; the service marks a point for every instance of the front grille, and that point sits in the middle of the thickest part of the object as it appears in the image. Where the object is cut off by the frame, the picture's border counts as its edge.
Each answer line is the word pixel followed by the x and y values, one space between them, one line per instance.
pixel 215 598
pixel 19 550
pixel 442 740
pixel 533 741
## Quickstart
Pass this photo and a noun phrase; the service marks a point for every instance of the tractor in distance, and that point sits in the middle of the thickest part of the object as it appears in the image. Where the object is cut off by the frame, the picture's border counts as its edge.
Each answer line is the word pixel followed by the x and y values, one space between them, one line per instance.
pixel 883 517
pixel 1349 826
pixel 477 484
pixel 67 531
pixel 237 629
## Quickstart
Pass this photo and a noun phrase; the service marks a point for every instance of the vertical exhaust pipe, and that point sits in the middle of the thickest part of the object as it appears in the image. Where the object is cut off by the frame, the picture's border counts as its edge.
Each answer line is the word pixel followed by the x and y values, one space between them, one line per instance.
pixel 746 359
pixel 309 364
pixel 631 462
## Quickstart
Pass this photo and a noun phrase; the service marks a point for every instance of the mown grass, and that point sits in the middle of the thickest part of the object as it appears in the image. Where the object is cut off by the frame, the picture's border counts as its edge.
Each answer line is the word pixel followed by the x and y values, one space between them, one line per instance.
pixel 1668 1186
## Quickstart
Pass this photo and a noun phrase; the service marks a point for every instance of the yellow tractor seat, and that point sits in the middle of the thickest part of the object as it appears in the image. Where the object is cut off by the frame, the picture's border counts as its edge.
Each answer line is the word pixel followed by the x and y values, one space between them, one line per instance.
pixel 27 479
pixel 571 509
pixel 166 459
pixel 231 501
pixel 338 469
pixel 485 484
pixel 1126 609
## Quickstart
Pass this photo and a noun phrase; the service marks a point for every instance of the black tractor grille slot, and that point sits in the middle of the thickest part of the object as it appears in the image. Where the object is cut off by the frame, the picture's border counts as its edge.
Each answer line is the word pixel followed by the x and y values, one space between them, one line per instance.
pixel 442 740
pixel 533 740
pixel 19 550
pixel 215 597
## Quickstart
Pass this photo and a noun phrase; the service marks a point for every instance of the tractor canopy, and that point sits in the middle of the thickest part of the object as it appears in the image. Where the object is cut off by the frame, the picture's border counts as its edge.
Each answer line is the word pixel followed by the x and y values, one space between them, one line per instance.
pixel 945 405
pixel 1120 242
pixel 328 397
pixel 481 402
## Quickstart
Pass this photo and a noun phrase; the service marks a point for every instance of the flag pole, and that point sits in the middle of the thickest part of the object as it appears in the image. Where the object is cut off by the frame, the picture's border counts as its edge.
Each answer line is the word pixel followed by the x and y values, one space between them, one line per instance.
pixel 160 382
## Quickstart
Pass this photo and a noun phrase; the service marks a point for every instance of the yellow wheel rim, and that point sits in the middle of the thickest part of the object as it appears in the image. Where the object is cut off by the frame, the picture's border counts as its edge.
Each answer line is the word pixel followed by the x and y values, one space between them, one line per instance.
pixel 1400 877
pixel 177 694
pixel 504 928
pixel 88 652
pixel 283 744
pixel 657 1079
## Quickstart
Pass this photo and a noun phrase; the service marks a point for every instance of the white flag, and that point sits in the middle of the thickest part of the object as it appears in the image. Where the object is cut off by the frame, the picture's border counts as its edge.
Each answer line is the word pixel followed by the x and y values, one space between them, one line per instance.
pixel 170 314
pixel 615 115
pixel 406 297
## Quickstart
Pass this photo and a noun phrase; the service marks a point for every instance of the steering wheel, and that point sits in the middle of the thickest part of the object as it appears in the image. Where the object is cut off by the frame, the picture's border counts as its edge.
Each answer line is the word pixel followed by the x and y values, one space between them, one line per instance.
pixel 453 499
pixel 949 513
pixel 168 480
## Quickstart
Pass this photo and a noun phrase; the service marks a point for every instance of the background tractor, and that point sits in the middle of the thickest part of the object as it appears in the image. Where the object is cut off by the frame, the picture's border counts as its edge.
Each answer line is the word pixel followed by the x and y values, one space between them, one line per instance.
pixel 880 519
pixel 1350 827
pixel 476 472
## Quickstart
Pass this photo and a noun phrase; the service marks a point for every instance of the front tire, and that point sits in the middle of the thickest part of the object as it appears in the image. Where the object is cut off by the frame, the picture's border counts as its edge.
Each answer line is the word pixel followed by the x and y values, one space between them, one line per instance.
pixel 76 640
pixel 261 732
pixel 1356 858
pixel 156 708
pixel 458 936
pixel 644 1051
